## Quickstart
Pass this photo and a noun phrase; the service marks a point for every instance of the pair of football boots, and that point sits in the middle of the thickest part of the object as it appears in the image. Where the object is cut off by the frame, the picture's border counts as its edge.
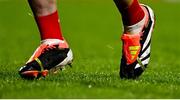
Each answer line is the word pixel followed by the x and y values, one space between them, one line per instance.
pixel 53 55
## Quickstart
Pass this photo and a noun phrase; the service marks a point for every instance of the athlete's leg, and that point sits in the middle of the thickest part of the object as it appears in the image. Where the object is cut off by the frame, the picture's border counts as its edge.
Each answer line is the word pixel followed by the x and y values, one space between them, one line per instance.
pixel 43 7
pixel 54 52
pixel 130 10
pixel 45 13
pixel 138 22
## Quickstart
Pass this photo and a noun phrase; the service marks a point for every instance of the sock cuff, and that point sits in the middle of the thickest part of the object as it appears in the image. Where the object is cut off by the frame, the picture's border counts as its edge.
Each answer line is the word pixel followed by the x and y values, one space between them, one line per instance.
pixel 49 15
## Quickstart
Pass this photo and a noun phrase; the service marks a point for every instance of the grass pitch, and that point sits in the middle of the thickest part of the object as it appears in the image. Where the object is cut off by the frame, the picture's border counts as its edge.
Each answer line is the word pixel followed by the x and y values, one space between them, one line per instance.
pixel 93 28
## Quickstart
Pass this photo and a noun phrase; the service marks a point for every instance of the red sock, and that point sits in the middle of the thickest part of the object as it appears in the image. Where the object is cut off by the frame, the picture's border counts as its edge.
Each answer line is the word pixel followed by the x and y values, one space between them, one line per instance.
pixel 132 14
pixel 49 26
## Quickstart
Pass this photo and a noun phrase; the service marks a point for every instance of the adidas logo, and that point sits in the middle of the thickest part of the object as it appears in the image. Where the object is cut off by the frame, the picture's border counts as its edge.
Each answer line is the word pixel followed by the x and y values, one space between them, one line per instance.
pixel 133 51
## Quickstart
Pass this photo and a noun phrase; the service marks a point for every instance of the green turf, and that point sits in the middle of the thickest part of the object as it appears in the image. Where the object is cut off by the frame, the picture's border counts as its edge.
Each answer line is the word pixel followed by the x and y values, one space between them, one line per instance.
pixel 93 28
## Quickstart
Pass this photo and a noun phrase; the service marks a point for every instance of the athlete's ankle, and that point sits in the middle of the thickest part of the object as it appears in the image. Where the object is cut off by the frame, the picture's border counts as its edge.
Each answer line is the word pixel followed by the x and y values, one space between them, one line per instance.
pixel 137 27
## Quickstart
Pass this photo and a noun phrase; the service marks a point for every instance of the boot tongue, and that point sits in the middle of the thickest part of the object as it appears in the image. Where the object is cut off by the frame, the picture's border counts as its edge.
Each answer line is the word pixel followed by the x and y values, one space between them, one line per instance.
pixel 131 47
